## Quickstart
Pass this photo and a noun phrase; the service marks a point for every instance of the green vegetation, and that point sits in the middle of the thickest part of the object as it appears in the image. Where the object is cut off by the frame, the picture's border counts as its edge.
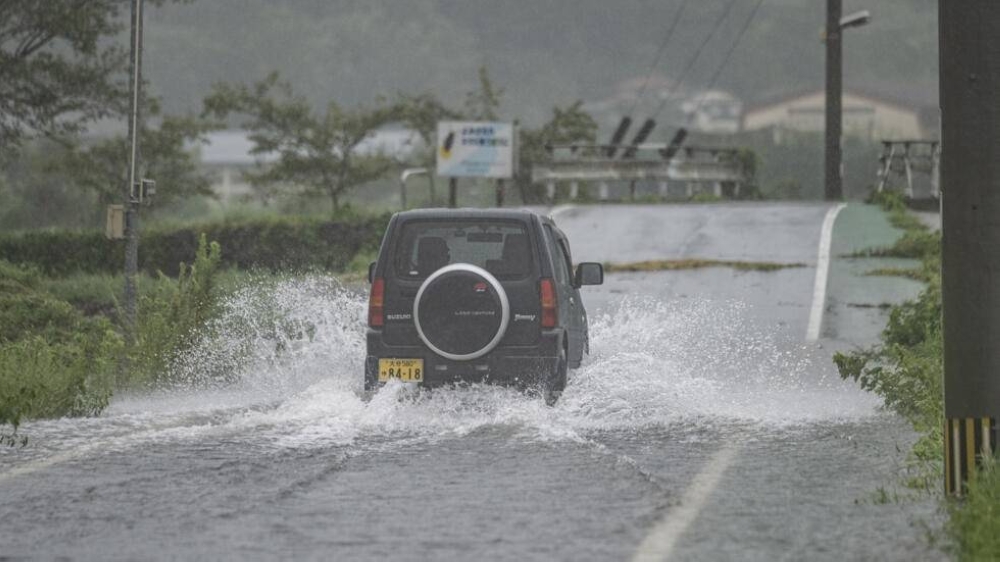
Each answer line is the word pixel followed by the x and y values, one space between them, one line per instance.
pixel 905 369
pixel 62 346
pixel 54 360
pixel 60 65
pixel 170 315
pixel 274 244
pixel 695 263
pixel 975 524
pixel 909 273
pixel 316 150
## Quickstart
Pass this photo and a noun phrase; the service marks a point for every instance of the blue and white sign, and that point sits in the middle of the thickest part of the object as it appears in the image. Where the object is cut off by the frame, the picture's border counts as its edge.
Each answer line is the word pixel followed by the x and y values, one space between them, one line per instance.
pixel 475 149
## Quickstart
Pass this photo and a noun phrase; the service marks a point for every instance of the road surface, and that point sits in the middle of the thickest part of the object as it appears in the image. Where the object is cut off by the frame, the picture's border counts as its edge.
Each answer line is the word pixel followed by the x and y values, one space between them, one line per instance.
pixel 704 426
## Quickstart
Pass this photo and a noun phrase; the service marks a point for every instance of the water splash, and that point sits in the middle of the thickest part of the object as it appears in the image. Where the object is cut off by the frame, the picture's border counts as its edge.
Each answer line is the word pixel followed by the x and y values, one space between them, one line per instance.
pixel 284 363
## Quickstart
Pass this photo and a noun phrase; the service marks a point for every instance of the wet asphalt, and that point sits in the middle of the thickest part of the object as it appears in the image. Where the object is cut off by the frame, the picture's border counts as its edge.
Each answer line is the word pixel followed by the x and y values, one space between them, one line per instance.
pixel 291 463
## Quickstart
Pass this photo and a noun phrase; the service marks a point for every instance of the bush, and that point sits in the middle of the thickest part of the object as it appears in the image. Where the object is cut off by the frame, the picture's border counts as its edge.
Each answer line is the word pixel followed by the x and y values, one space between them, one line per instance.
pixel 906 368
pixel 40 379
pixel 170 316
pixel 273 244
pixel 53 360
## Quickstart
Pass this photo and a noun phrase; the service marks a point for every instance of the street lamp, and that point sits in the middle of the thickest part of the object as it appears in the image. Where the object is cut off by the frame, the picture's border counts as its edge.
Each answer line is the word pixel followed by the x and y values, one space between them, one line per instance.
pixel 855 19
pixel 833 188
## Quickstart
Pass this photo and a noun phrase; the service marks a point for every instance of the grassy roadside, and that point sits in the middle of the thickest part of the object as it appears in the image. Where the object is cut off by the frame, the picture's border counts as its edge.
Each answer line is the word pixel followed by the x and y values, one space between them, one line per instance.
pixel 906 370
pixel 62 344
pixel 62 350
pixel 975 524
pixel 696 263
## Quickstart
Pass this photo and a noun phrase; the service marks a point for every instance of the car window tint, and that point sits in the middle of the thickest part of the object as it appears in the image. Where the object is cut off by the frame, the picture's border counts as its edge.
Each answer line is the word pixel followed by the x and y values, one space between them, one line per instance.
pixel 500 247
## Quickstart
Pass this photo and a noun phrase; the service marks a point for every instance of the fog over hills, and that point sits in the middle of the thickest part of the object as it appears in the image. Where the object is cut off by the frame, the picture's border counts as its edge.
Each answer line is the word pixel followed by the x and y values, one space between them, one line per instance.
pixel 542 52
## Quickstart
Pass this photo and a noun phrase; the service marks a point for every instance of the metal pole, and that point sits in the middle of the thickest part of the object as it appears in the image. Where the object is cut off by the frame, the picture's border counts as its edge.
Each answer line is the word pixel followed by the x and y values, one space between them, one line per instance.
pixel 833 190
pixel 501 188
pixel 407 173
pixel 453 192
pixel 969 36
pixel 131 193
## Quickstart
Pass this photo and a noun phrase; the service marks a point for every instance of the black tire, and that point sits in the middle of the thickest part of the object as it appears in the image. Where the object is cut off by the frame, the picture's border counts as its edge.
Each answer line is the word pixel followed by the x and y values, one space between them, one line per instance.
pixel 555 382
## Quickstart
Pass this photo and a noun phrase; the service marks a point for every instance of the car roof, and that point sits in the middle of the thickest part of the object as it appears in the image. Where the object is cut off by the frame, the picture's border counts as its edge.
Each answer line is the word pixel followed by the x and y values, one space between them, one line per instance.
pixel 470 214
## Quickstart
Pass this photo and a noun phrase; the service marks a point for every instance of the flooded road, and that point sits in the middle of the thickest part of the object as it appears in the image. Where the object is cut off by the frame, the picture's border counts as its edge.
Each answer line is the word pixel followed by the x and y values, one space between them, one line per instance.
pixel 702 427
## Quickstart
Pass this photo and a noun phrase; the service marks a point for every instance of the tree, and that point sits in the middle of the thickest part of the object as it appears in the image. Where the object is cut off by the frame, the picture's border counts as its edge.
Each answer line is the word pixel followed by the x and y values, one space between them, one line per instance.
pixel 318 151
pixel 67 181
pixel 566 126
pixel 421 113
pixel 60 65
pixel 484 103
pixel 40 193
pixel 102 167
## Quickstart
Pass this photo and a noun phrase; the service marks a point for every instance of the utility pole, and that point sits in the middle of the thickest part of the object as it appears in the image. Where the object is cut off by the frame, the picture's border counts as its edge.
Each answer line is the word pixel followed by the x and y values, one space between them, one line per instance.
pixel 833 190
pixel 132 193
pixel 969 47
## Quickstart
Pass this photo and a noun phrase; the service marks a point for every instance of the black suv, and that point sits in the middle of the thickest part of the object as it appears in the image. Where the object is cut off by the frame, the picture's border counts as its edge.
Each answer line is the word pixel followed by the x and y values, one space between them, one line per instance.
pixel 476 296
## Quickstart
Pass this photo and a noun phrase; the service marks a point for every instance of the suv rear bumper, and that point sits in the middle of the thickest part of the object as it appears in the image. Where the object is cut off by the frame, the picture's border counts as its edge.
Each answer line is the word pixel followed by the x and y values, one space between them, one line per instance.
pixel 521 366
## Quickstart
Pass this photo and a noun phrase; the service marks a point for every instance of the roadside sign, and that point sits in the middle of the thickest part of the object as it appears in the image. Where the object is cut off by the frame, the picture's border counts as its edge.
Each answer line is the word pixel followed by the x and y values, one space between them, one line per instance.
pixel 475 149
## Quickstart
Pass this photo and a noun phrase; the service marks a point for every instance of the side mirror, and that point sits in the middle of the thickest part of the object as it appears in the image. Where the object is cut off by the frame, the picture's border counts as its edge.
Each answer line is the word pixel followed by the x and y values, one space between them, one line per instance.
pixel 371 273
pixel 589 273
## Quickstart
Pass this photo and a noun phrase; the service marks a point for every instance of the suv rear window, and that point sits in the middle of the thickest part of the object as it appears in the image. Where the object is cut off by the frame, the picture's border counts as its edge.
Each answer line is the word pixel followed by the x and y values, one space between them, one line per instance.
pixel 500 247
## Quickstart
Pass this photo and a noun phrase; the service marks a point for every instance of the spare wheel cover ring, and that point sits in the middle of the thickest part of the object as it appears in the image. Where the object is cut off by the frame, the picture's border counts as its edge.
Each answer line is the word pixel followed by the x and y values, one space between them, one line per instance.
pixel 504 310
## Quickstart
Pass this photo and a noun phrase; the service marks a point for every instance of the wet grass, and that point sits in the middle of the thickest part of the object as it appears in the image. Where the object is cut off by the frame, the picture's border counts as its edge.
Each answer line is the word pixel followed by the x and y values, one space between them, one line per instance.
pixel 914 244
pixel 695 263
pixel 880 306
pixel 905 272
pixel 975 520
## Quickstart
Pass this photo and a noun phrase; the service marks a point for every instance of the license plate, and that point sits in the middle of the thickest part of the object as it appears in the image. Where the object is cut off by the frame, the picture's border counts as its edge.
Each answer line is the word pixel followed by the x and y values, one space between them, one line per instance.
pixel 407 370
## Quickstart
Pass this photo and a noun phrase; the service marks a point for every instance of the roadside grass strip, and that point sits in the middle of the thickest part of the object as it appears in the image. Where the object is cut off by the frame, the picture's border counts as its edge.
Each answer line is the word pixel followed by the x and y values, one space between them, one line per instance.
pixel 974 522
pixel 695 263
pixel 908 273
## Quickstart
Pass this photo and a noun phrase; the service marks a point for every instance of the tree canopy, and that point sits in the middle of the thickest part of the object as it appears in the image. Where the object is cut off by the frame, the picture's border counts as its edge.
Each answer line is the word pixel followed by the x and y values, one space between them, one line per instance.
pixel 59 65
pixel 317 150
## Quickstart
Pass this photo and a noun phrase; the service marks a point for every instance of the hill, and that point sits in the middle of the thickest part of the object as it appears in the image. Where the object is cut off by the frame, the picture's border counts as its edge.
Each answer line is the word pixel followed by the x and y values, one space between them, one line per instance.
pixel 542 52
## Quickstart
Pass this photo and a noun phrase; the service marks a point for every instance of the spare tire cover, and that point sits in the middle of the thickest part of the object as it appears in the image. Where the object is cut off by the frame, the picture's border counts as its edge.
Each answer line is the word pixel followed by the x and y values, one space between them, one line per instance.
pixel 461 312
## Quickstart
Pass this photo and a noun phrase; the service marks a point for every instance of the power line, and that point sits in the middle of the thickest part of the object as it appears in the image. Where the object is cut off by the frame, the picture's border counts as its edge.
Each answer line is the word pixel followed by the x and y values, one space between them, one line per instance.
pixel 725 59
pixel 694 58
pixel 659 55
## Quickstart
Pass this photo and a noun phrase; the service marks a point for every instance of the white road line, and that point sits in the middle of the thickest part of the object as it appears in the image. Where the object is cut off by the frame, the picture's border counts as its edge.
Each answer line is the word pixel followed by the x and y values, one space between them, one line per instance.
pixel 822 272
pixel 660 542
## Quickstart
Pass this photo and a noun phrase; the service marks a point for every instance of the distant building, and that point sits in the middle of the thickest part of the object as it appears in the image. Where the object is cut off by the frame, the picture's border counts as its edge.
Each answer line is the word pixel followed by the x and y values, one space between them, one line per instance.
pixel 870 116
pixel 713 111
pixel 227 154
pixel 655 90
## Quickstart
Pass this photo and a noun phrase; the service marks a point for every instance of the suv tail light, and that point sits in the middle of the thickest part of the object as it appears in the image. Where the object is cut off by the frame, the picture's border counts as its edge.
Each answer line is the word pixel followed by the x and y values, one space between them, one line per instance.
pixel 547 294
pixel 376 304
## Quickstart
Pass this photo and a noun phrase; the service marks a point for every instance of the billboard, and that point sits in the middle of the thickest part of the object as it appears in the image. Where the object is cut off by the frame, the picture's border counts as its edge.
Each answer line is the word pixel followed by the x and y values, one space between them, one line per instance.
pixel 475 149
